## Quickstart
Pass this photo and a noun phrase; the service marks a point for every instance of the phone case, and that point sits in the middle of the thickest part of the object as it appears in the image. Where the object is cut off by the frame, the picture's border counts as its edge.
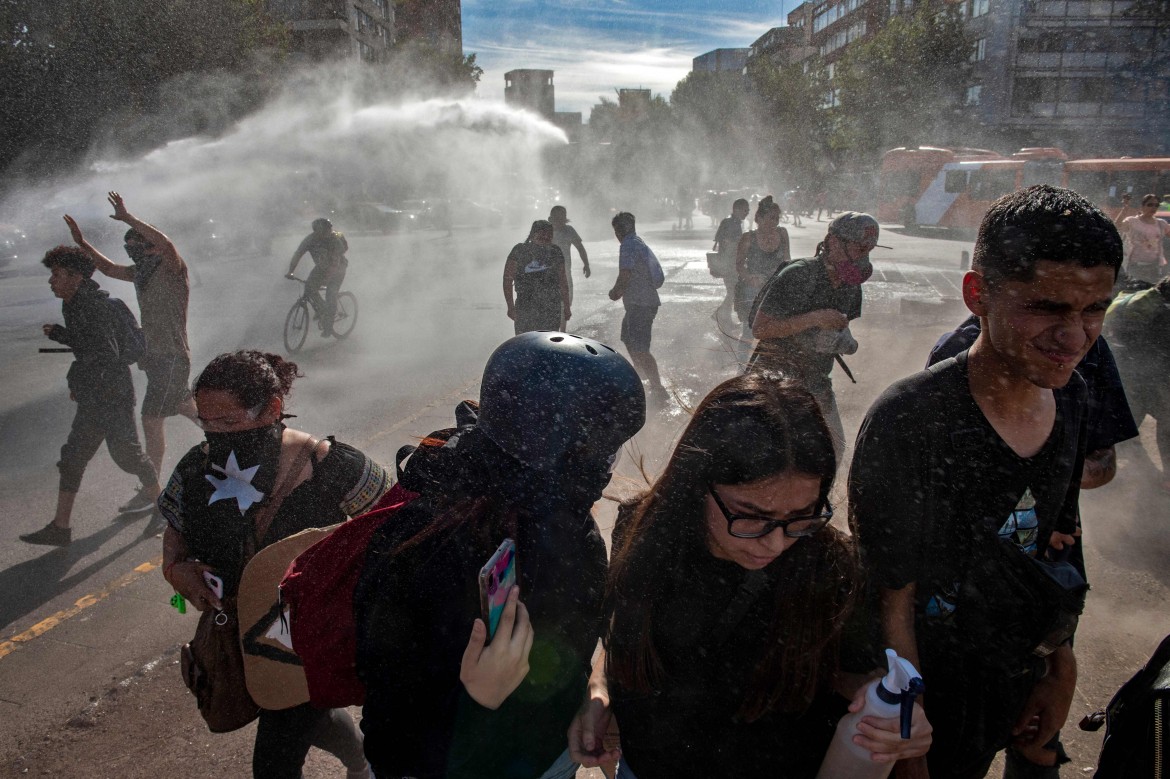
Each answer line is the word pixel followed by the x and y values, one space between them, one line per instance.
pixel 496 580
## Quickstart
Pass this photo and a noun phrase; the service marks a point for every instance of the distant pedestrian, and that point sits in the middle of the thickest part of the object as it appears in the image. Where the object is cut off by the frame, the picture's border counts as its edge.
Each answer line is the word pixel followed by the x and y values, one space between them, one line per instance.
pixel 101 331
pixel 726 244
pixel 1143 234
pixel 536 273
pixel 327 247
pixel 639 277
pixel 161 283
pixel 565 237
pixel 803 314
pixel 759 255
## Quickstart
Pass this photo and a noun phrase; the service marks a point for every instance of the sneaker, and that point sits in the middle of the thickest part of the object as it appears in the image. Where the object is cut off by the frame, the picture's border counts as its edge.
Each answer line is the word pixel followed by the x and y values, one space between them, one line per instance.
pixel 140 502
pixel 49 535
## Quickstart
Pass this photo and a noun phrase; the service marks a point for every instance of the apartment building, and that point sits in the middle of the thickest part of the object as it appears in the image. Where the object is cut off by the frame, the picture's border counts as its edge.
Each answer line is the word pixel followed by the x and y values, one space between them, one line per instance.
pixel 1080 74
pixel 329 29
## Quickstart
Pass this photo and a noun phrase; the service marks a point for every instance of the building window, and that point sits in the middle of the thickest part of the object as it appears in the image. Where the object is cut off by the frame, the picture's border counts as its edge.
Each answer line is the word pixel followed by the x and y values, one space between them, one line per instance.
pixel 833 12
pixel 976 8
pixel 973 94
pixel 979 50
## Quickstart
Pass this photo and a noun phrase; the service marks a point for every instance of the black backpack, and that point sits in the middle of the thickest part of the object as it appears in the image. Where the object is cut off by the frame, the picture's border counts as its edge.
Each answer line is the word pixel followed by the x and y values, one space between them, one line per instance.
pixel 1136 723
pixel 131 339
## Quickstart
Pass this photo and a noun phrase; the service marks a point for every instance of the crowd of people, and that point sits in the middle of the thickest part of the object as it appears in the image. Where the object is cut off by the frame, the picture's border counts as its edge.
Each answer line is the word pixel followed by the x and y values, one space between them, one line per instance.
pixel 737 624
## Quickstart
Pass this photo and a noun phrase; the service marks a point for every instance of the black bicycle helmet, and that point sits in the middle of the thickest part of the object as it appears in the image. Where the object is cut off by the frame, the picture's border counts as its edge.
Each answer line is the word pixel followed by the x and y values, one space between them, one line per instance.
pixel 546 396
pixel 321 225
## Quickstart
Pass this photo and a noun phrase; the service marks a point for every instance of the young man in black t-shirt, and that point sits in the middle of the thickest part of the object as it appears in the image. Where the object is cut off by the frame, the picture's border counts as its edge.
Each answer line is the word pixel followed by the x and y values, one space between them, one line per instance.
pixel 986 447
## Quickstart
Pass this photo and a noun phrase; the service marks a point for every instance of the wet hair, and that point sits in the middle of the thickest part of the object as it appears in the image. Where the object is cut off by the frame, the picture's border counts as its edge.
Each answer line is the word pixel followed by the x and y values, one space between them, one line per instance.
pixel 1044 223
pixel 71 258
pixel 748 428
pixel 623 222
pixel 558 209
pixel 133 235
pixel 251 376
pixel 1150 196
pixel 741 202
pixel 322 224
pixel 766 207
pixel 540 226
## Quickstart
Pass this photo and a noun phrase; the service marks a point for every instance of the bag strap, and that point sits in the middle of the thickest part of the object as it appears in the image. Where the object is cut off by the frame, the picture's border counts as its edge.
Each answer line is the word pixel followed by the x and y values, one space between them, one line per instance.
pixel 263 519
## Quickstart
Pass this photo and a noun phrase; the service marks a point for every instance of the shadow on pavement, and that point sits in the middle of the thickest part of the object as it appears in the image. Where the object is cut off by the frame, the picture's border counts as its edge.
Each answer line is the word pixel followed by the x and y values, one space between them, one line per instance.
pixel 27 586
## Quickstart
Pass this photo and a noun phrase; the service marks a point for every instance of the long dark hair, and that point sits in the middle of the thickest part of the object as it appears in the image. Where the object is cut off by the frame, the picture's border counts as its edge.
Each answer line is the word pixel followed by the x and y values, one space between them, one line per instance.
pixel 748 428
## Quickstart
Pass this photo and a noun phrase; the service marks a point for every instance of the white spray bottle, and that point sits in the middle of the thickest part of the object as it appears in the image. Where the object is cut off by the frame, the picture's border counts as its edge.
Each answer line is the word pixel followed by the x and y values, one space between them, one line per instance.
pixel 892 696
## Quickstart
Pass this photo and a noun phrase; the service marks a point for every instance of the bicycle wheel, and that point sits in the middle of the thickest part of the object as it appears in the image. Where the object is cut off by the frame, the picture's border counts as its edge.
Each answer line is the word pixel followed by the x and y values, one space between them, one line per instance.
pixel 296 326
pixel 346 316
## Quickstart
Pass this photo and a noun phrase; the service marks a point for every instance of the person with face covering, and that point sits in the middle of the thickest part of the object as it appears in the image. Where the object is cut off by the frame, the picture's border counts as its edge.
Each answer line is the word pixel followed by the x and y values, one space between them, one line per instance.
pixel 802 314
pixel 160 279
pixel 536 269
pixel 211 503
pixel 731 640
pixel 517 468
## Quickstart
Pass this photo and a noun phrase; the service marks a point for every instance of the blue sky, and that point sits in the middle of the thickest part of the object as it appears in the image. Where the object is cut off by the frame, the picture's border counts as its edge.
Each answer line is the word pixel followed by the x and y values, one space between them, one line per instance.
pixel 596 46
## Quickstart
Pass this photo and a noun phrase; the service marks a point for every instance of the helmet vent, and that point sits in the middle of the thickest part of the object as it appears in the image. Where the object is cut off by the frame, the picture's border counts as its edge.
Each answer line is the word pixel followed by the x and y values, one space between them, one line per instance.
pixel 556 339
pixel 590 349
pixel 610 348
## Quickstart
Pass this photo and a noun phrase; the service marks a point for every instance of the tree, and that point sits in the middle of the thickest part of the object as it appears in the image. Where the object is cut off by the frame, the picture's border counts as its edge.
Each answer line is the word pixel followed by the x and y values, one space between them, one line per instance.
pixel 793 125
pixel 902 86
pixel 713 114
pixel 71 66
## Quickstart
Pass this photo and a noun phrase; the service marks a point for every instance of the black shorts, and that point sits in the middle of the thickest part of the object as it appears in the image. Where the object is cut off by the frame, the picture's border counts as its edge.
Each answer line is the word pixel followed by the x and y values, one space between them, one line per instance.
pixel 167 379
pixel 637 325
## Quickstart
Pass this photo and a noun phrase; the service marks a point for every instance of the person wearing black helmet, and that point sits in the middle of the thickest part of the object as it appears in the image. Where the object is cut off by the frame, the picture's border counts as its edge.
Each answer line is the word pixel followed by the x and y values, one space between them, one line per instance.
pixel 436 704
pixel 327 247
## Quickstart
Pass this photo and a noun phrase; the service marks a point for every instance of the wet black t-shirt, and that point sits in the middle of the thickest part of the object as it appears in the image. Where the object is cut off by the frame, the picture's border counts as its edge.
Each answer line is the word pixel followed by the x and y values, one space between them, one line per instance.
pixel 538 271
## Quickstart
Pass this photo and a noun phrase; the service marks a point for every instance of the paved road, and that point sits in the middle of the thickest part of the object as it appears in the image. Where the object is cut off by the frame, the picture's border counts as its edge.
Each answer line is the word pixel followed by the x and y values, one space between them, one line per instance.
pixel 86 636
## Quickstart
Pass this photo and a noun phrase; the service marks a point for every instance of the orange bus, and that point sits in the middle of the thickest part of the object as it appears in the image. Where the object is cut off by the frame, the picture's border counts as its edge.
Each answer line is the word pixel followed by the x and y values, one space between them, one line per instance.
pixel 938 187
pixel 1104 181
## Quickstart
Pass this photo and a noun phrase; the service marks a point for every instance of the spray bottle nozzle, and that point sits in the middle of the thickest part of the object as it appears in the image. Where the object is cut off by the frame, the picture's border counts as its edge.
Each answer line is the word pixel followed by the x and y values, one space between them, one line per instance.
pixel 916 688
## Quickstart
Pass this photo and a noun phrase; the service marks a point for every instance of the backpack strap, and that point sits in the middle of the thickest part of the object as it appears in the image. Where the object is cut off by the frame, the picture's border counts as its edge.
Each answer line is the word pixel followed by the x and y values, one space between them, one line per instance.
pixel 263 519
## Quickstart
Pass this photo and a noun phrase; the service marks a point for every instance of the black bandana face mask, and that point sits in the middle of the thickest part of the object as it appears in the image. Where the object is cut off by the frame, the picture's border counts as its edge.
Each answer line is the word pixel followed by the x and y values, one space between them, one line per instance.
pixel 233 456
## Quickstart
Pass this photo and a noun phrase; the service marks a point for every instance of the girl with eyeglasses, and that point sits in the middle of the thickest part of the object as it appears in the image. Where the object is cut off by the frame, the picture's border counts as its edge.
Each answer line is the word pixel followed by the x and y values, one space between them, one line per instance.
pixel 1143 233
pixel 729 595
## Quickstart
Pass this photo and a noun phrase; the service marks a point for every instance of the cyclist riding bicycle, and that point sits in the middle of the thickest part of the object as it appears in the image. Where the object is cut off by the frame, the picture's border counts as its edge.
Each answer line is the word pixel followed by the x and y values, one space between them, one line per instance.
pixel 327 247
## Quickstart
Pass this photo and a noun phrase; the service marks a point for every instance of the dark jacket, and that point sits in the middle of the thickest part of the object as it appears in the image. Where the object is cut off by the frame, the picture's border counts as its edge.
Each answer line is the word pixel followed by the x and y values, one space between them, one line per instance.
pixel 98 375
pixel 414 615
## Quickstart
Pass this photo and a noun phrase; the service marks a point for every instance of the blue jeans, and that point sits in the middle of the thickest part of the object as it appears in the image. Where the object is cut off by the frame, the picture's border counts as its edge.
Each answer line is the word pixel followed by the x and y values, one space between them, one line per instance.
pixel 562 768
pixel 624 772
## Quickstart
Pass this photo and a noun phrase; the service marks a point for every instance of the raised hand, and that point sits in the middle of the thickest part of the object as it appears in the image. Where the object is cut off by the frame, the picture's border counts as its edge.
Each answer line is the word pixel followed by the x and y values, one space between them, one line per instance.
pixel 120 213
pixel 74 230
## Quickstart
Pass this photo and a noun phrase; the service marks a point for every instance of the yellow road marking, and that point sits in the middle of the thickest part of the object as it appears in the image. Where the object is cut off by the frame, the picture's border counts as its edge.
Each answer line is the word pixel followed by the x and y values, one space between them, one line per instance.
pixel 85 601
pixel 80 605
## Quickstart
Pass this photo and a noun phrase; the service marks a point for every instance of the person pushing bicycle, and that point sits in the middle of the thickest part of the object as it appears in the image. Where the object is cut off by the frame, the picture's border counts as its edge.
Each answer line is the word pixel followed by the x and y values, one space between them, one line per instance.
pixel 327 247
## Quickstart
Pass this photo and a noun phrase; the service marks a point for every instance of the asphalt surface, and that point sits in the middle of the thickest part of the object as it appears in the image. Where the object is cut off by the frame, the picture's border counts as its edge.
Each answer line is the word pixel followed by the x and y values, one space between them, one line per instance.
pixel 88 681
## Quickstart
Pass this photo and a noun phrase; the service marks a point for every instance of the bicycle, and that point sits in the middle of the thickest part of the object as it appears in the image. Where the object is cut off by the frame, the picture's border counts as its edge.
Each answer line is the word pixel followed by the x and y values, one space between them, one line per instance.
pixel 296 324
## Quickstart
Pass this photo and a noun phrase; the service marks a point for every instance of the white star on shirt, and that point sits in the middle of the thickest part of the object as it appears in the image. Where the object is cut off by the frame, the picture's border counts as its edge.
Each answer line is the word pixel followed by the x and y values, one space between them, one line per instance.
pixel 237 484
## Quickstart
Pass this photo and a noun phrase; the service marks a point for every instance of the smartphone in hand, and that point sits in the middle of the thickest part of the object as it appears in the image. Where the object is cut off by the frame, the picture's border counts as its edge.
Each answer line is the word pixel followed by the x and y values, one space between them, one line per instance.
pixel 214 583
pixel 496 580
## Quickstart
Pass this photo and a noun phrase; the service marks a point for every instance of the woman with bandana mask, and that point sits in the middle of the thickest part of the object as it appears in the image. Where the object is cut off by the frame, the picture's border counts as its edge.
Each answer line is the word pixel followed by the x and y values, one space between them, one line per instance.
pixel 554 412
pixel 211 503
pixel 801 316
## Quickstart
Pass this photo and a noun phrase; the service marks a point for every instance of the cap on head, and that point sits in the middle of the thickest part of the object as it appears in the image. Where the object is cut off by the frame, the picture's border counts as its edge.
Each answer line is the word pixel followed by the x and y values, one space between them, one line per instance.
pixel 321 225
pixel 546 396
pixel 855 226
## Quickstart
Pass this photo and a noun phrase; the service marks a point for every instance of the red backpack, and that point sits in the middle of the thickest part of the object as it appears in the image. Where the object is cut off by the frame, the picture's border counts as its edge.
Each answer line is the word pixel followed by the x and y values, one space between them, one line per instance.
pixel 318 590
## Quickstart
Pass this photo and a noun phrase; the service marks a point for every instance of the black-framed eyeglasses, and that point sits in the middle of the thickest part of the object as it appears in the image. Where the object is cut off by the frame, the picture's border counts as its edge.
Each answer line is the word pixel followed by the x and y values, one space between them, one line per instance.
pixel 749 526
